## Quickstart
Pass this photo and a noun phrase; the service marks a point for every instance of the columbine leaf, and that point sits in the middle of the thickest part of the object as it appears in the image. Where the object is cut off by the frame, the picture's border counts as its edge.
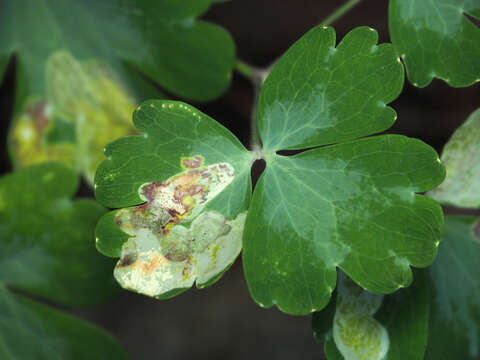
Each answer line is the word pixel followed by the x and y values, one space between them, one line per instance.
pixel 455 286
pixel 354 207
pixel 184 188
pixel 437 40
pixel 351 205
pixel 47 239
pixel 29 330
pixel 376 327
pixel 320 94
pixel 461 156
pixel 160 38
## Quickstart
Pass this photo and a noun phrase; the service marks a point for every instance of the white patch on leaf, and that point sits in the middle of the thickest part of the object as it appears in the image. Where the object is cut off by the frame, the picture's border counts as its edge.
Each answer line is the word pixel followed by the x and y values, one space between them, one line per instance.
pixel 173 242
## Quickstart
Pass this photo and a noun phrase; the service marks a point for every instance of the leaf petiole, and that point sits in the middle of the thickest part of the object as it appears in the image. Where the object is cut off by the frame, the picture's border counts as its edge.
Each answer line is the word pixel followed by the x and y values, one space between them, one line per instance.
pixel 339 12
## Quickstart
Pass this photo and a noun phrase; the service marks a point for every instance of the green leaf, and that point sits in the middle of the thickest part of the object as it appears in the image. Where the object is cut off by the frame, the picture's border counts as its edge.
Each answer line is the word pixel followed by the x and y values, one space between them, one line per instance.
pixel 455 301
pixel 376 327
pixel 436 40
pixel 162 39
pixel 29 330
pixel 351 205
pixel 320 94
pixel 47 239
pixel 461 156
pixel 184 187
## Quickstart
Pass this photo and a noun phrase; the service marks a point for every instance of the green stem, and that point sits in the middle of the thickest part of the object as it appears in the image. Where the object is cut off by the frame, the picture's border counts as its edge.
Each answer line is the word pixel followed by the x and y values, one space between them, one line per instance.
pixel 339 12
pixel 245 69
pixel 255 143
pixel 256 76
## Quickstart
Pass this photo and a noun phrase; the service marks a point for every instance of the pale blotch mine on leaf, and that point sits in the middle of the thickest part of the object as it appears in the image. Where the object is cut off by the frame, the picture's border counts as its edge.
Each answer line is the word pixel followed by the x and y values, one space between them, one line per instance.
pixel 173 242
pixel 357 335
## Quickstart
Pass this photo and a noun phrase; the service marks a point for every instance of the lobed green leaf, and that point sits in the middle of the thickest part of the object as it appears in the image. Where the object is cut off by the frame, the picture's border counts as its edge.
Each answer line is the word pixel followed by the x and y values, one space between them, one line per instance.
pixel 353 206
pixel 319 94
pixel 185 186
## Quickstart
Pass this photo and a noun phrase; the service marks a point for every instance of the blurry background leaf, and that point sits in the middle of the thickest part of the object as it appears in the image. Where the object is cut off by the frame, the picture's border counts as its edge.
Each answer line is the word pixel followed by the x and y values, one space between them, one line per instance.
pixel 47 240
pixel 92 79
pixel 454 330
pixel 29 330
pixel 437 40
pixel 162 39
pixel 461 157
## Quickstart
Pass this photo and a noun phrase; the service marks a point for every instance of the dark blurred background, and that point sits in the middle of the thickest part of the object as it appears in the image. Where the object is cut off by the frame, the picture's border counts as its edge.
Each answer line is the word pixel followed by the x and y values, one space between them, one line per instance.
pixel 223 322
